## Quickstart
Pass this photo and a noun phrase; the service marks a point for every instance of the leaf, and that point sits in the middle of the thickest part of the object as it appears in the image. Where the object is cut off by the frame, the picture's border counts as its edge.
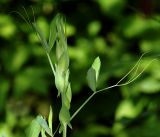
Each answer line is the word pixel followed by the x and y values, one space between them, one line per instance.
pixel 61 32
pixel 53 32
pixel 66 97
pixel 41 36
pixel 60 27
pixel 149 86
pixel 96 66
pixel 91 79
pixel 42 122
pixel 63 62
pixel 50 117
pixel 59 81
pixel 64 117
pixel 65 100
pixel 34 129
pixel 43 133
pixel 69 93
pixel 93 74
pixel 66 77
pixel 59 50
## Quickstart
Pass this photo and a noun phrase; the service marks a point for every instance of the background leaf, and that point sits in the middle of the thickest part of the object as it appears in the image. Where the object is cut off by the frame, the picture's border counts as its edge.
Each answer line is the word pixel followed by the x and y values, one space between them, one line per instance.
pixel 118 31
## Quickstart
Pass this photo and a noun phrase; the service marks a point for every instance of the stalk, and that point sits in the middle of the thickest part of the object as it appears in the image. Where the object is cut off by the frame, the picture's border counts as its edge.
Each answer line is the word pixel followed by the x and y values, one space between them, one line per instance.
pixel 65 131
pixel 50 62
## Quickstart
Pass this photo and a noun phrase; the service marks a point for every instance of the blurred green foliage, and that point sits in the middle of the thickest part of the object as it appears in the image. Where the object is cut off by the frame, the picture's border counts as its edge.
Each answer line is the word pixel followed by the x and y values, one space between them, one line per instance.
pixel 110 29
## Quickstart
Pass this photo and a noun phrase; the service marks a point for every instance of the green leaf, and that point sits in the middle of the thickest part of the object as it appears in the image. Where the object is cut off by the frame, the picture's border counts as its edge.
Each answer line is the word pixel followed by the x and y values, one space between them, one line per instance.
pixel 42 122
pixel 50 117
pixel 65 100
pixel 34 129
pixel 91 79
pixel 61 32
pixel 59 81
pixel 69 93
pixel 96 66
pixel 149 86
pixel 63 62
pixel 59 50
pixel 43 133
pixel 42 37
pixel 66 76
pixel 64 117
pixel 53 32
pixel 60 27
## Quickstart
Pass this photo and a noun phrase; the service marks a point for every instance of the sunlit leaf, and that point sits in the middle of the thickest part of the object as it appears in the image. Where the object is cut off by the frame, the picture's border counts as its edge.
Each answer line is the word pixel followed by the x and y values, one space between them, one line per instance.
pixel 50 117
pixel 64 117
pixel 91 79
pixel 8 28
pixel 69 93
pixel 53 33
pixel 43 133
pixel 94 27
pixel 41 36
pixel 111 7
pixel 70 30
pixel 42 122
pixel 127 109
pixel 63 62
pixel 65 101
pixel 59 50
pixel 59 81
pixel 60 27
pixel 149 86
pixel 96 66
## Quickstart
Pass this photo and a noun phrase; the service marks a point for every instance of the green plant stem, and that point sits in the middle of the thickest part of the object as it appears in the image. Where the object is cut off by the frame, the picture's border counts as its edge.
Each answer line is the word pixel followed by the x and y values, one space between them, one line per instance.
pixel 56 130
pixel 77 111
pixel 88 99
pixel 50 62
pixel 116 85
pixel 65 131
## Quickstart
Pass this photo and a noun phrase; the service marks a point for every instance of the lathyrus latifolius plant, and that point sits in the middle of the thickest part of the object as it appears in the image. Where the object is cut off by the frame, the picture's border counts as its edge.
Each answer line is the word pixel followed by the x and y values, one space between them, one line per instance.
pixel 61 73
pixel 60 68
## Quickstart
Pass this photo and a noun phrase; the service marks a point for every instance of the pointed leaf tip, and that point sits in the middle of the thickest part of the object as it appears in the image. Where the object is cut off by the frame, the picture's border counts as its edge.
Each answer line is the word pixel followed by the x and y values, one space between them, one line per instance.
pixel 93 74
pixel 50 117
pixel 42 122
pixel 96 66
pixel 41 37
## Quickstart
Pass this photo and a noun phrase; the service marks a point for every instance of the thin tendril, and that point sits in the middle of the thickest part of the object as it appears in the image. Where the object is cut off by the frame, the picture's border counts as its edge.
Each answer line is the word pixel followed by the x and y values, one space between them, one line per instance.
pixel 131 69
pixel 33 14
pixel 56 130
pixel 116 85
pixel 27 15
pixel 21 17
pixel 130 81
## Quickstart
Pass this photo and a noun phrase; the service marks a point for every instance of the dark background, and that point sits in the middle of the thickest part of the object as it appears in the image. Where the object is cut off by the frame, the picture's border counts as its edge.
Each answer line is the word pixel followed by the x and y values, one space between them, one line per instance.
pixel 118 31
